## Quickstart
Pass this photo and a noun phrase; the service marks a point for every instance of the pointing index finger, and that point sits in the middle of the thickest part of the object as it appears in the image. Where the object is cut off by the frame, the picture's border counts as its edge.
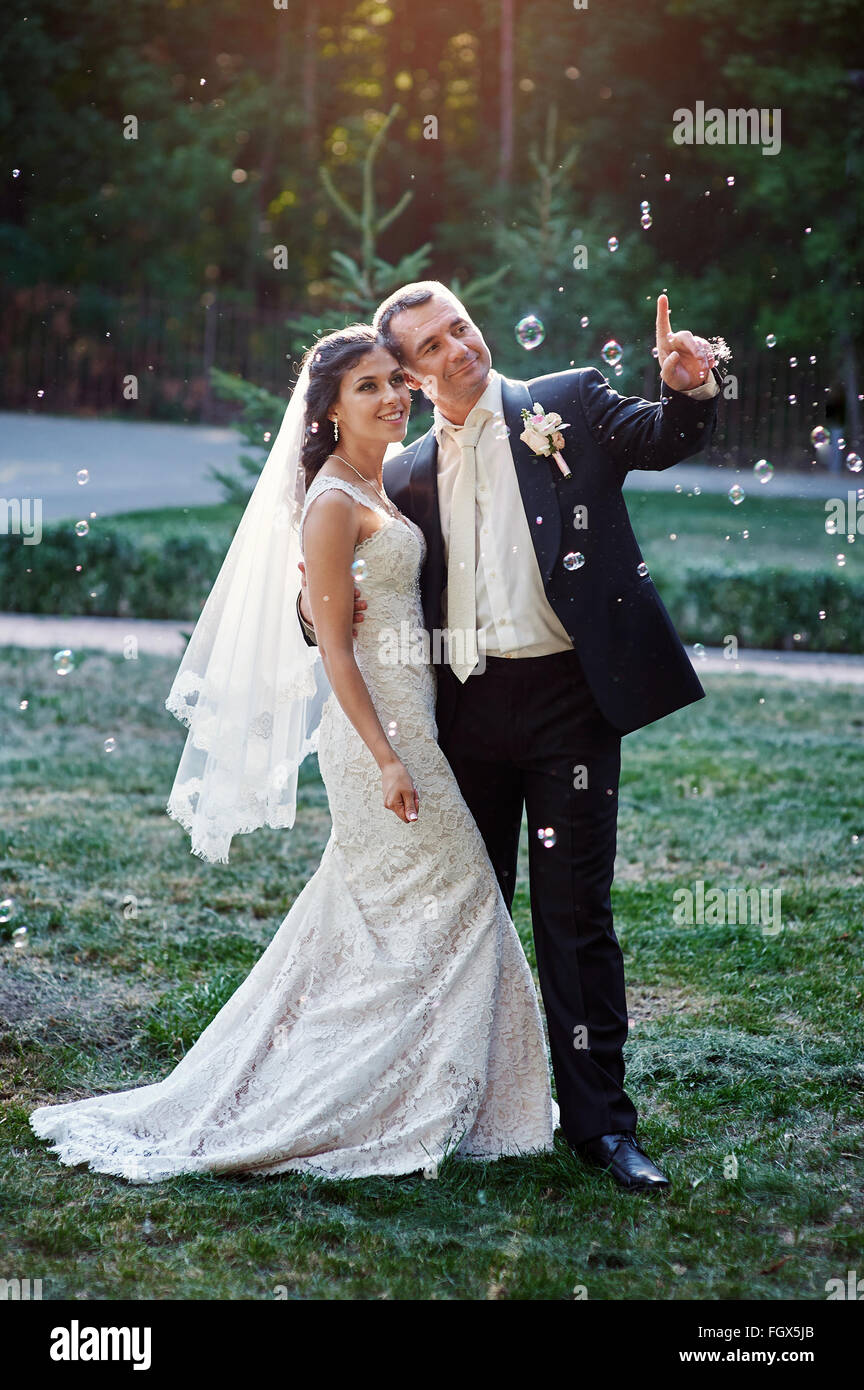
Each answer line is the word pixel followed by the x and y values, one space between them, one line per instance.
pixel 664 327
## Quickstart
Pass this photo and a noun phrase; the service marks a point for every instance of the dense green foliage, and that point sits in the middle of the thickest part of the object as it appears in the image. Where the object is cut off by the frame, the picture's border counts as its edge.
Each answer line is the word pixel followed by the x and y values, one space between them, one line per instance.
pixel 254 123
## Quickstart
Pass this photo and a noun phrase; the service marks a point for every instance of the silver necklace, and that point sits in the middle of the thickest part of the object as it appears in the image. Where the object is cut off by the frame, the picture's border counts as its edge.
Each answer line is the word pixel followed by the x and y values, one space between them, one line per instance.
pixel 394 511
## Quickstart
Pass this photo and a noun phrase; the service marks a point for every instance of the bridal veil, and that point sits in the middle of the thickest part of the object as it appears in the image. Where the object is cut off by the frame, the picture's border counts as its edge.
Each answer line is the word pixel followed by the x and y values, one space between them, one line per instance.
pixel 249 688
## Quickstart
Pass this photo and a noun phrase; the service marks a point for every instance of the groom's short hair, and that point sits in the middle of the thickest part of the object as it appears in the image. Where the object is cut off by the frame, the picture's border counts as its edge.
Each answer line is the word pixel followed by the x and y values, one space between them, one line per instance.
pixel 407 297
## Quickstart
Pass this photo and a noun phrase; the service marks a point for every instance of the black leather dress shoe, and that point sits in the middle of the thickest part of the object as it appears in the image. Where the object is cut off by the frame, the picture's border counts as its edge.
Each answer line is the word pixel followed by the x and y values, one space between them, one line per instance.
pixel 623 1157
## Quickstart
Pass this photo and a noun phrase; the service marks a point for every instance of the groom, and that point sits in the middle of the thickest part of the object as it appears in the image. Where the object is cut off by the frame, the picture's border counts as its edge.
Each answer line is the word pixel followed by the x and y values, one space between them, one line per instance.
pixel 579 650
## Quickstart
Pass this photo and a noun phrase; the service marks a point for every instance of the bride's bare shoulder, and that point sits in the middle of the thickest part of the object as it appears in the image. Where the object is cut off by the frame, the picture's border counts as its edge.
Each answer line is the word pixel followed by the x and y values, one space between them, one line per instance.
pixel 330 513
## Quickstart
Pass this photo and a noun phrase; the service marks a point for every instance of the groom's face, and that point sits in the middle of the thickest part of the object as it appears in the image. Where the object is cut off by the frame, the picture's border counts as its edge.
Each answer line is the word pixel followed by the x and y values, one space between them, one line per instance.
pixel 443 353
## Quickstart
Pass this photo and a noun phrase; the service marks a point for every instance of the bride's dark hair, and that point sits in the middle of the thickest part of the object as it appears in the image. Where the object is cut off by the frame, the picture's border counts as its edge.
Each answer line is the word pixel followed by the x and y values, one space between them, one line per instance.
pixel 329 359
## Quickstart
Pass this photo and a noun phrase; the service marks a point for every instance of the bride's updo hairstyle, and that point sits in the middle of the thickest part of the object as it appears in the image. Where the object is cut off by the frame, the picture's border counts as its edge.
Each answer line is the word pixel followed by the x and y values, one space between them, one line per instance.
pixel 328 360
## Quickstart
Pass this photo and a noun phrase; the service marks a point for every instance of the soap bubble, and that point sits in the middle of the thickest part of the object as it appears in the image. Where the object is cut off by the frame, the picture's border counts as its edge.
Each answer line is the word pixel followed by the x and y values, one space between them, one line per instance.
pixel 81 528
pixel 530 332
pixel 764 470
pixel 358 569
pixel 547 836
pixel 645 221
pixel 82 476
pixel 853 463
pixel 64 662
pixel 612 352
pixel 736 494
pixel 574 560
pixel 612 243
pixel 819 435
pixel 770 340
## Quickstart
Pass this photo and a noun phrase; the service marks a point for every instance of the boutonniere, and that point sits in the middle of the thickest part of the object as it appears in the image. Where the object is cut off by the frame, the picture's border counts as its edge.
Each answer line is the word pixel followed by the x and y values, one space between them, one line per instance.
pixel 542 433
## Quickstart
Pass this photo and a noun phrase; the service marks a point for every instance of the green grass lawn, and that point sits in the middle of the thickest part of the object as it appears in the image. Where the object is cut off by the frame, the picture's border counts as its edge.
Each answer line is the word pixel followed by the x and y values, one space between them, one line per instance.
pixel 742 1043
pixel 781 531
pixel 219 521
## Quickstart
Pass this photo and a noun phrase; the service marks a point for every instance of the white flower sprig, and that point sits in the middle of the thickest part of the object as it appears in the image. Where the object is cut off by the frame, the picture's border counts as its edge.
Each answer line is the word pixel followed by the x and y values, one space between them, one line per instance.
pixel 542 433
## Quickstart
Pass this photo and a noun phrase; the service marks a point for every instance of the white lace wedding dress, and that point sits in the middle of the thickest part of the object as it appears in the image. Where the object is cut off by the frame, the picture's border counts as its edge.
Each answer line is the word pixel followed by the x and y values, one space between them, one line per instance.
pixel 393 1018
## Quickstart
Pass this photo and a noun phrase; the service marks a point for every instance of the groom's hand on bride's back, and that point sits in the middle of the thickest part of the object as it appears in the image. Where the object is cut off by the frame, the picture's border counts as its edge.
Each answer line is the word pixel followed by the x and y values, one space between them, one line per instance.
pixel 359 603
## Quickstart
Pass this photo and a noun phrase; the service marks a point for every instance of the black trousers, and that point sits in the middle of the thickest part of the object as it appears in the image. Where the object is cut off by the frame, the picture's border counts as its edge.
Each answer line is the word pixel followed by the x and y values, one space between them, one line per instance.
pixel 527 730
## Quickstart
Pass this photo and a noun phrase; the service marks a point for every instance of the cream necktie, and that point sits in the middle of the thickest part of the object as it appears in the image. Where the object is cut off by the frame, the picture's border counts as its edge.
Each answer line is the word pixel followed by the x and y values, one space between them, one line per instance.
pixel 462 558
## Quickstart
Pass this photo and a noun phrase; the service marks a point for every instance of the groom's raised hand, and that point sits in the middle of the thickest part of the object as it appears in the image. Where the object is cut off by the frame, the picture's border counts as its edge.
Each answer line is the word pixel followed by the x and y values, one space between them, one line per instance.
pixel 685 360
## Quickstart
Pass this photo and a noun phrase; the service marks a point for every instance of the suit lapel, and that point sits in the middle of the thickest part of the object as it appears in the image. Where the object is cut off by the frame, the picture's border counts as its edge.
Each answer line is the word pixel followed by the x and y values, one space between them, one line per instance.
pixel 536 481
pixel 423 494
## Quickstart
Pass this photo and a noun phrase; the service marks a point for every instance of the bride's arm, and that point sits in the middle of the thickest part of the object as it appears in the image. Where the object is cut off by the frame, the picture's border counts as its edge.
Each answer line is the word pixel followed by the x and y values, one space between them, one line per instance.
pixel 330 532
pixel 304 617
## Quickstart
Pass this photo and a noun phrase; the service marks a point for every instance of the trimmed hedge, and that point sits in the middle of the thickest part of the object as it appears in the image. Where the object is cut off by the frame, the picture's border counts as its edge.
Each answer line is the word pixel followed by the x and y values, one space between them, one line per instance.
pixel 765 606
pixel 157 577
pixel 169 575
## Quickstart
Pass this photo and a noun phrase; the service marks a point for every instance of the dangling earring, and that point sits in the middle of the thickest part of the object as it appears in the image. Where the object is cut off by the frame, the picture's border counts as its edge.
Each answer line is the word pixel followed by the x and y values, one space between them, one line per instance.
pixel 336 428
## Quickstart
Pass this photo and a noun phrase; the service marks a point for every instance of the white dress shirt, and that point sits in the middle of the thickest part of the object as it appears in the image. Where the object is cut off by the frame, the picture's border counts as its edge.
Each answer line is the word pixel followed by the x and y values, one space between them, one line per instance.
pixel 514 616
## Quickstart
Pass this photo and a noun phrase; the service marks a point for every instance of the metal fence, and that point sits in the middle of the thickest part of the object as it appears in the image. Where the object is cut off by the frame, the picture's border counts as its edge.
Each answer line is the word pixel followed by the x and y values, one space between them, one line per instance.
pixel 89 353
pixel 82 350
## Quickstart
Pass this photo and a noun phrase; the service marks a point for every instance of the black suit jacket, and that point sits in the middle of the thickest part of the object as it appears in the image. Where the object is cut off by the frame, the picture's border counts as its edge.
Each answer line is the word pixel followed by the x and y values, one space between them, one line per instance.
pixel 631 655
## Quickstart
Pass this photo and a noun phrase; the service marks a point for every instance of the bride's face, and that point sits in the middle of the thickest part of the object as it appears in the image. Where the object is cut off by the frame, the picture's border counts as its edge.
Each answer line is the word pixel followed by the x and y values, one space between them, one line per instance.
pixel 374 401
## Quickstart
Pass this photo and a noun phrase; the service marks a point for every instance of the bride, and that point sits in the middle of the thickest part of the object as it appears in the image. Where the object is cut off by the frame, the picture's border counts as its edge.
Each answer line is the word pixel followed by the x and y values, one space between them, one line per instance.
pixel 393 1019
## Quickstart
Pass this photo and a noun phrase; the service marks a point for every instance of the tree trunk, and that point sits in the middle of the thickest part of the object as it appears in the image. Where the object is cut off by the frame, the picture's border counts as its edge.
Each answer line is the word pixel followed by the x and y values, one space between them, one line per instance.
pixel 853 405
pixel 263 188
pixel 310 80
pixel 505 132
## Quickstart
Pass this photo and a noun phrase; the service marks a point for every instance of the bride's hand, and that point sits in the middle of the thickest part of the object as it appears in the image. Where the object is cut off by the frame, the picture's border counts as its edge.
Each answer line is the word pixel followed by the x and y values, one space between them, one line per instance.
pixel 400 794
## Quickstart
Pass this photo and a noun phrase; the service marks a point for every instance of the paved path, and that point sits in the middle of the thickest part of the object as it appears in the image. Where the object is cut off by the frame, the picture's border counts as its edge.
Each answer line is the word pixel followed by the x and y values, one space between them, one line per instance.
pixel 95 634
pixel 137 465
pixel 133 466
pixel 817 484
pixel 166 639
